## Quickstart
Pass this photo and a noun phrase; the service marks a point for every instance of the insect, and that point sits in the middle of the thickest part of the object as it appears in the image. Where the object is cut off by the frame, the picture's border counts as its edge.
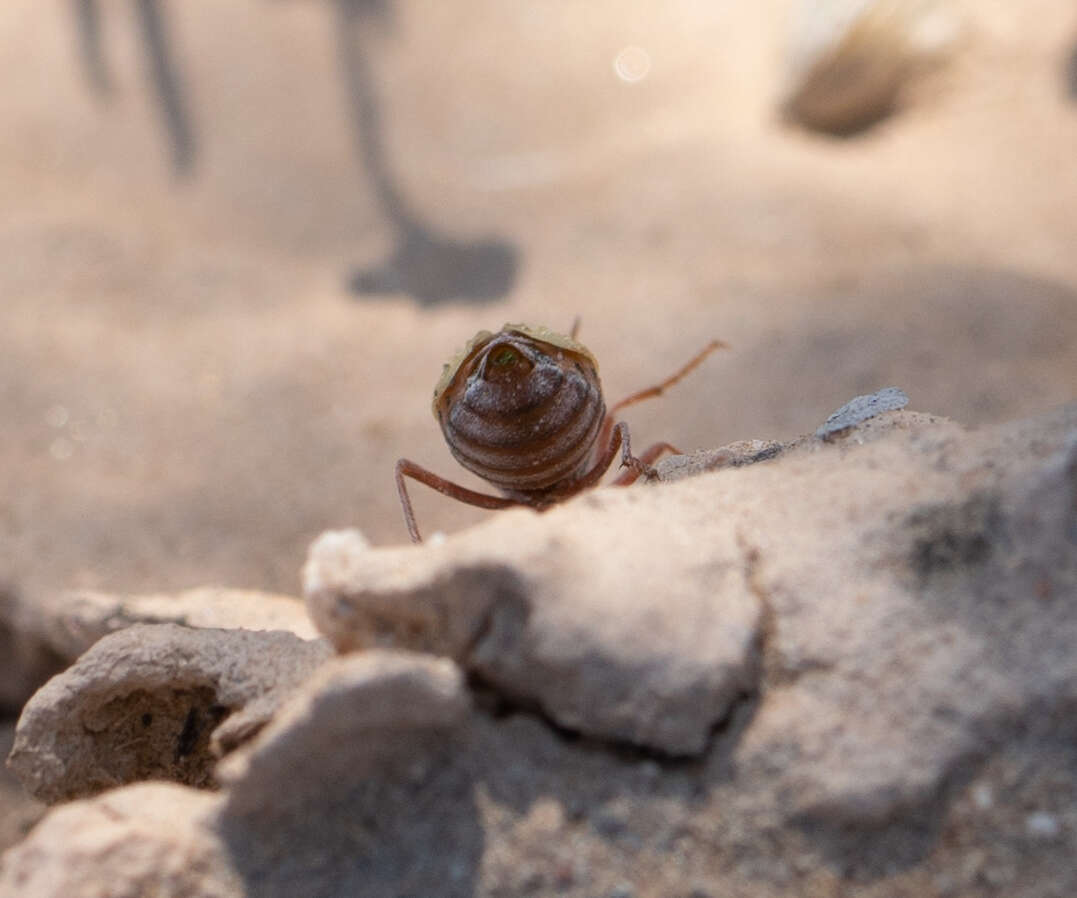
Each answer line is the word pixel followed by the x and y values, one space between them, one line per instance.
pixel 523 409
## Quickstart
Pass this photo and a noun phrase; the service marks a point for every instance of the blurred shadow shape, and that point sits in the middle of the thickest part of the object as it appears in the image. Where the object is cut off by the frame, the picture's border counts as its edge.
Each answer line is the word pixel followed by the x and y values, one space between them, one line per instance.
pixel 852 71
pixel 1070 74
pixel 166 84
pixel 91 54
pixel 435 269
pixel 426 265
pixel 162 71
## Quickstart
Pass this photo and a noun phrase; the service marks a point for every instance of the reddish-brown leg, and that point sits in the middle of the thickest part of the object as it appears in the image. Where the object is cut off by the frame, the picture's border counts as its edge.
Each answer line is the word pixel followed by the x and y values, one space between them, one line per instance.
pixel 648 458
pixel 617 435
pixel 406 468
pixel 642 464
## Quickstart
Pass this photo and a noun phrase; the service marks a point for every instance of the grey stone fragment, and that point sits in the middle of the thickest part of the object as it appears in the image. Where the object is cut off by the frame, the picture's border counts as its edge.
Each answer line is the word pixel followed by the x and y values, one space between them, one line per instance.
pixel 859 409
pixel 149 701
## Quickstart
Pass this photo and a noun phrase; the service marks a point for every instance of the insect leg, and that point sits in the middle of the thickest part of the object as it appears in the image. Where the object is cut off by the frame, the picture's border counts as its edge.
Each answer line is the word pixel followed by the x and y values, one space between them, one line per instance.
pixel 618 439
pixel 648 457
pixel 659 389
pixel 406 468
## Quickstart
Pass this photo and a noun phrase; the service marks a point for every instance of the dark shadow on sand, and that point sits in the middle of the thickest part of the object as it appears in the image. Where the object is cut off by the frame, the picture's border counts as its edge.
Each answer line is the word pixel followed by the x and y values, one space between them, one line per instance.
pixel 429 266
pixel 161 68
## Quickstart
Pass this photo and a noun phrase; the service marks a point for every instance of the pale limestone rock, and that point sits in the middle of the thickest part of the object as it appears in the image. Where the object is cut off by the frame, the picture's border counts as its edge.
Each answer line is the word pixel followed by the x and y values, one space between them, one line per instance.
pixel 146 839
pixel 584 611
pixel 915 619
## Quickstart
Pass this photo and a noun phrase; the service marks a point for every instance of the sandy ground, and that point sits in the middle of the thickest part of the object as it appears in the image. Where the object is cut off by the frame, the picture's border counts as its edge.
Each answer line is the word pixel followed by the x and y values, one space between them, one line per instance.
pixel 206 358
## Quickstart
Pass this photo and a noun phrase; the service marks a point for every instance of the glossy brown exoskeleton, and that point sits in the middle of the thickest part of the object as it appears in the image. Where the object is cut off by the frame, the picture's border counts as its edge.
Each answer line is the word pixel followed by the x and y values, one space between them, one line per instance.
pixel 523 409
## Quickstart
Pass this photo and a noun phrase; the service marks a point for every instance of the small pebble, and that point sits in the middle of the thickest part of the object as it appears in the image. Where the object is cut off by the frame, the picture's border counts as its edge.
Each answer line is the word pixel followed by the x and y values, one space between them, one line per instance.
pixel 858 410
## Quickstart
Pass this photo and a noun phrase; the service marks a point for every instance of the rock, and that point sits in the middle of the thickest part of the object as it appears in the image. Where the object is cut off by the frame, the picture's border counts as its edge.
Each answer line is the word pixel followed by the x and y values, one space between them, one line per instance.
pixel 147 839
pixel 360 786
pixel 733 455
pixel 38 640
pixel 636 637
pixel 75 620
pixel 154 701
pixel 858 410
pixel 379 704
pixel 907 727
pixel 371 733
pixel 852 59
pixel 891 674
pixel 580 613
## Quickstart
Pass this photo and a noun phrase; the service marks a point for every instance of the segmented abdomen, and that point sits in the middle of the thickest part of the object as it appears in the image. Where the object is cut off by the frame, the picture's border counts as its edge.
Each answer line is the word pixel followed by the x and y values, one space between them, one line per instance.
pixel 529 435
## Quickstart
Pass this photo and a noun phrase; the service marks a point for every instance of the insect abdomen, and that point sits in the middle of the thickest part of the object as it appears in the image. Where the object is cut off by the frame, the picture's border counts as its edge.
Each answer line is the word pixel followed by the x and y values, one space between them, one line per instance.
pixel 532 436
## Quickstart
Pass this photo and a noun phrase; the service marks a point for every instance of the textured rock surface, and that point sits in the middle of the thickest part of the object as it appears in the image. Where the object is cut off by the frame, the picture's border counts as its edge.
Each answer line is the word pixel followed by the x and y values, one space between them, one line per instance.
pixel 375 704
pixel 613 620
pixel 344 794
pixel 585 614
pixel 38 640
pixel 908 730
pixel 148 839
pixel 376 800
pixel 73 621
pixel 154 702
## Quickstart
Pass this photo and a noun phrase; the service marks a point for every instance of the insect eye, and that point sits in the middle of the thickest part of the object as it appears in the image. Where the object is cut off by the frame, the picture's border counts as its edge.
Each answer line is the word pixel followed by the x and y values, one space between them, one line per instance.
pixel 505 357
pixel 505 364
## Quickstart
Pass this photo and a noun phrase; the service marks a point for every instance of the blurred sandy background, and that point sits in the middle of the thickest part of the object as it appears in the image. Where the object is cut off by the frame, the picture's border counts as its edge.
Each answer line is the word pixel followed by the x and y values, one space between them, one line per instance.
pixel 239 239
